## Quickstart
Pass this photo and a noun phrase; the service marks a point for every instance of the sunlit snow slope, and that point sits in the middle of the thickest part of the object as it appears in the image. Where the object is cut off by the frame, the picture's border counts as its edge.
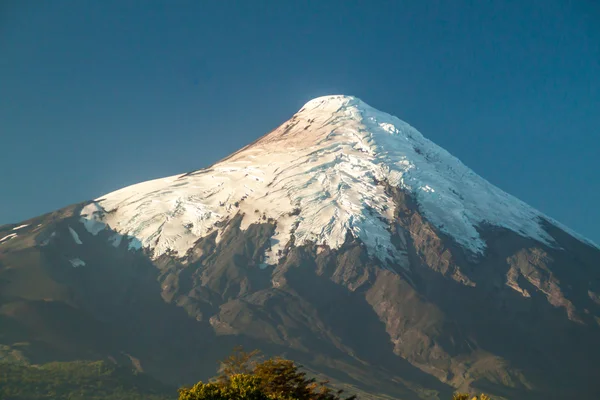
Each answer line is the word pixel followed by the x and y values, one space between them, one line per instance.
pixel 318 176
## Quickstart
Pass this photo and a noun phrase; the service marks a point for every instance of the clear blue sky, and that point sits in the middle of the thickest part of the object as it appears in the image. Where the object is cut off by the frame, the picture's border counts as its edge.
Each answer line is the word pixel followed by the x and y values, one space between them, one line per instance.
pixel 97 95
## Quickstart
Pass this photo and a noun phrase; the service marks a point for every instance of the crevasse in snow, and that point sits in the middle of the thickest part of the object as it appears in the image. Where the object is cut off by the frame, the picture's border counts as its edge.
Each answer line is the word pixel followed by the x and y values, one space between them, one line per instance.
pixel 317 177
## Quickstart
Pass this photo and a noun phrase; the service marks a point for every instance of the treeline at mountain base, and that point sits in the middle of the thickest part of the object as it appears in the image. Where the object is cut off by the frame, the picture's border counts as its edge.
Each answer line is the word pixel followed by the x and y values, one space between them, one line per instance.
pixel 243 376
pixel 79 380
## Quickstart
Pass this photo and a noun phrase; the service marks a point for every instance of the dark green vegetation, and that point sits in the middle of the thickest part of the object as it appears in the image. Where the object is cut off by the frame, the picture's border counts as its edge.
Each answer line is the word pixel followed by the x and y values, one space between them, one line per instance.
pixel 78 380
pixel 464 396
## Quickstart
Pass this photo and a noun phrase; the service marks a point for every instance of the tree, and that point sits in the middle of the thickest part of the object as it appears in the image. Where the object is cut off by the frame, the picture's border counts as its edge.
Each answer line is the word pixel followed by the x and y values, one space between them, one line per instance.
pixel 245 377
pixel 281 378
pixel 464 396
pixel 238 387
pixel 239 362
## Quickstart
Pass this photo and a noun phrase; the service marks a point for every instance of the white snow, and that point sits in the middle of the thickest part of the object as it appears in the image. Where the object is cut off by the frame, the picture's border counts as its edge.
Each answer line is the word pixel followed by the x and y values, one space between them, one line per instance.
pixel 91 217
pixel 8 237
pixel 134 244
pixel 16 228
pixel 48 239
pixel 316 176
pixel 279 239
pixel 115 239
pixel 76 262
pixel 75 236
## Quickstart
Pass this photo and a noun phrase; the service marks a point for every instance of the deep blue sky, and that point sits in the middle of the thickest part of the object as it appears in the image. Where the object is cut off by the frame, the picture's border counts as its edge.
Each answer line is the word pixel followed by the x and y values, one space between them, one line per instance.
pixel 97 95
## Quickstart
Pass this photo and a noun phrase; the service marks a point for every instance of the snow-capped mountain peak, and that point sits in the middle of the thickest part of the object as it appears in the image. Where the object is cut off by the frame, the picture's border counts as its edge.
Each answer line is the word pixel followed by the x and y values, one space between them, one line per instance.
pixel 317 177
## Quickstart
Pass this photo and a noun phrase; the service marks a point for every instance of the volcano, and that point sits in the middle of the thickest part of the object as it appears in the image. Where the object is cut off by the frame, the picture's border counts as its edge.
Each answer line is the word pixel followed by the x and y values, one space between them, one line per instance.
pixel 344 240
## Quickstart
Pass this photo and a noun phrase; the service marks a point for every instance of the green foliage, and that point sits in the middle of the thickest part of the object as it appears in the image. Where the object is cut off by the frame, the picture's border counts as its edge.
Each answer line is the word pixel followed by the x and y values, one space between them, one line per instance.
pixel 239 387
pixel 465 396
pixel 239 362
pixel 245 377
pixel 79 380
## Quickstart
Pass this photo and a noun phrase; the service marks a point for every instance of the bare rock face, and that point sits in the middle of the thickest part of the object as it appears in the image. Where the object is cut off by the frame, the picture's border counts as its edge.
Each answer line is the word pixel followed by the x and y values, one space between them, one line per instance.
pixel 362 282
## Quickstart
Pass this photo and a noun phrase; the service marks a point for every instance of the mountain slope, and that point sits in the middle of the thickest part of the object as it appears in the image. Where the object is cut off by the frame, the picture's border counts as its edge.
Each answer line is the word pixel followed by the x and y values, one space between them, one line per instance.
pixel 343 239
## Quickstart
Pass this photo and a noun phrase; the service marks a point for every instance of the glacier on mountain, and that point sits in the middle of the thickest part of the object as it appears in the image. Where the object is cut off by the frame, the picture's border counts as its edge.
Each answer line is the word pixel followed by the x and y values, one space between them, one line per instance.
pixel 75 236
pixel 317 177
